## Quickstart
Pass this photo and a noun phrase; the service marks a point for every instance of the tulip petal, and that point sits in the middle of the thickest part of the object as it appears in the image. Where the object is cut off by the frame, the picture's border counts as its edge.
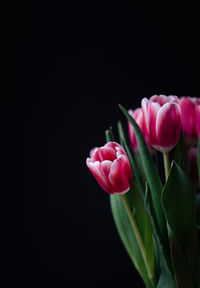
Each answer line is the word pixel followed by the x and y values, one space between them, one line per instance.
pixel 113 145
pixel 144 105
pixel 153 109
pixel 92 151
pixel 117 176
pixel 168 126
pixel 138 117
pixel 95 168
pixel 104 153
pixel 187 105
pixel 160 99
pixel 105 171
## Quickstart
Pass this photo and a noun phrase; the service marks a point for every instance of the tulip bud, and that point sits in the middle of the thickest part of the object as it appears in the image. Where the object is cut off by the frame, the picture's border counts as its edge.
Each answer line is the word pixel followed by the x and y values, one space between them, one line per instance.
pixel 188 109
pixel 193 166
pixel 162 121
pixel 198 120
pixel 111 168
pixel 138 117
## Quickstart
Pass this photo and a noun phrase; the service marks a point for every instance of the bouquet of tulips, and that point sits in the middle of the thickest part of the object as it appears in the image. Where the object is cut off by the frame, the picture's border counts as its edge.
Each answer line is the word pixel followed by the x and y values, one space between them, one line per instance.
pixel 158 218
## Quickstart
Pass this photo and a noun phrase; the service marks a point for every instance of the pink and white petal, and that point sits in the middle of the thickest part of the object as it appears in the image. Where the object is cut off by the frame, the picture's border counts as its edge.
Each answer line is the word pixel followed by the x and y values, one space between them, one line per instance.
pixel 195 100
pixel 132 136
pixel 126 167
pixel 121 152
pixel 137 113
pixel 92 151
pixel 112 145
pixel 138 116
pixel 131 112
pixel 105 171
pixel 104 153
pixel 153 109
pixel 174 98
pixel 144 105
pixel 168 125
pixel 95 168
pixel 188 116
pixel 117 176
pixel 160 99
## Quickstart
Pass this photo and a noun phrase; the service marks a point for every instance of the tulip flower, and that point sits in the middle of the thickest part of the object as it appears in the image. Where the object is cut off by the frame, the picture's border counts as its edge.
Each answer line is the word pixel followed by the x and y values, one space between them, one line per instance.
pixel 111 168
pixel 198 120
pixel 162 121
pixel 188 109
pixel 193 166
pixel 138 117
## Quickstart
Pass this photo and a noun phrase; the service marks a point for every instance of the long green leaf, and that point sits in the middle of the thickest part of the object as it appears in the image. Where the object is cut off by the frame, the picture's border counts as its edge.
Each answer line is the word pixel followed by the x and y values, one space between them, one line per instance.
pixel 162 262
pixel 178 153
pixel 160 249
pixel 137 201
pixel 179 203
pixel 183 273
pixel 151 173
pixel 149 247
pixel 128 237
pixel 165 280
pixel 134 163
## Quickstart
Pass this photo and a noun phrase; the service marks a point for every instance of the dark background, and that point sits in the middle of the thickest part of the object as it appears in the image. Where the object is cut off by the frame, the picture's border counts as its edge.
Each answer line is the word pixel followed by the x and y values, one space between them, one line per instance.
pixel 68 68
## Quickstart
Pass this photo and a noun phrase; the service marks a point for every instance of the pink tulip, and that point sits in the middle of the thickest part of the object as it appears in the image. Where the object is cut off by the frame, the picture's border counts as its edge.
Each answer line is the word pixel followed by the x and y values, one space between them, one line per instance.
pixel 198 121
pixel 162 121
pixel 138 117
pixel 111 168
pixel 188 108
pixel 193 166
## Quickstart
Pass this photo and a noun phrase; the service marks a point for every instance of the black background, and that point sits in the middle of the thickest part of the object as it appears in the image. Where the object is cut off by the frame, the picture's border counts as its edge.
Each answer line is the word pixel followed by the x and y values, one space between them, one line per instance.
pixel 68 68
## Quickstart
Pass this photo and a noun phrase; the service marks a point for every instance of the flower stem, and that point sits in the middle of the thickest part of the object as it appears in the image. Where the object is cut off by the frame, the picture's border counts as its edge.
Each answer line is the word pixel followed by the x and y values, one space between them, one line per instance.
pixel 166 164
pixel 139 239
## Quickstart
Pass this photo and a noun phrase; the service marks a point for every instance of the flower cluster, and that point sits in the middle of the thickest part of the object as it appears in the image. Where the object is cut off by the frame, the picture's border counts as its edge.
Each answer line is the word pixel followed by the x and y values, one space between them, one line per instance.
pixel 161 119
pixel 158 219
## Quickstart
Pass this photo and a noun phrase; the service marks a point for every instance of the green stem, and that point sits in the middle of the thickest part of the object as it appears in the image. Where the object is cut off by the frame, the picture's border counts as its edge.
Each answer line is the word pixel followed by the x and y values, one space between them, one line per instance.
pixel 166 164
pixel 138 238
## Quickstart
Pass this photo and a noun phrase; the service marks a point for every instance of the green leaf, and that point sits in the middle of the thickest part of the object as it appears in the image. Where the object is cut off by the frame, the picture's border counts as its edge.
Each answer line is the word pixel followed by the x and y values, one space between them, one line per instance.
pixel 183 273
pixel 161 250
pixel 179 203
pixel 149 247
pixel 178 153
pixel 132 159
pixel 135 200
pixel 165 280
pixel 128 237
pixel 152 176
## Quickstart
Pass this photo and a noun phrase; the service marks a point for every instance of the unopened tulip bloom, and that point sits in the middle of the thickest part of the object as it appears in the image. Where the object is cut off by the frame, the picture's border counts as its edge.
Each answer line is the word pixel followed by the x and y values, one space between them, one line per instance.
pixel 193 166
pixel 138 117
pixel 111 168
pixel 188 109
pixel 198 121
pixel 162 118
